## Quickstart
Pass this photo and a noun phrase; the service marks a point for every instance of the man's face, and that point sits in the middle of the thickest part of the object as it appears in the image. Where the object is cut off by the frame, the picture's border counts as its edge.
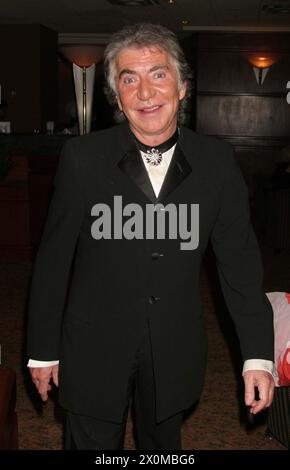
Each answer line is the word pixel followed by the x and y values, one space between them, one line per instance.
pixel 148 94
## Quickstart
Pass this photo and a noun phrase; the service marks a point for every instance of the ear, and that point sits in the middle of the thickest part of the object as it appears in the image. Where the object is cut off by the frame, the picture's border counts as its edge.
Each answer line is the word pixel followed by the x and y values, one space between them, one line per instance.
pixel 119 103
pixel 182 91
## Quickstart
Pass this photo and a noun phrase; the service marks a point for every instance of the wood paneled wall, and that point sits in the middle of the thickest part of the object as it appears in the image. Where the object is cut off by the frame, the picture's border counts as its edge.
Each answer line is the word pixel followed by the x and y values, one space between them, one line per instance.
pixel 230 104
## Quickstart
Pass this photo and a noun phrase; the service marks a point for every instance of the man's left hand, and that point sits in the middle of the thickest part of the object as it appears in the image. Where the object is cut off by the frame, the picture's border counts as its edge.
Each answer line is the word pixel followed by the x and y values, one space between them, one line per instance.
pixel 265 384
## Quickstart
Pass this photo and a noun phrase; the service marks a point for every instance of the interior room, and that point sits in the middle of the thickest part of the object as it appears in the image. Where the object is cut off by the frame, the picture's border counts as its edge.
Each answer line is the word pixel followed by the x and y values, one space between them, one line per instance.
pixel 52 92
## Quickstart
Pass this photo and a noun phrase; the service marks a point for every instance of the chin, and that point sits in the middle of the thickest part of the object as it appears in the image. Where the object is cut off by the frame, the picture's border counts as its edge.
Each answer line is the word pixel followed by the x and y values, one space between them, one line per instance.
pixel 154 128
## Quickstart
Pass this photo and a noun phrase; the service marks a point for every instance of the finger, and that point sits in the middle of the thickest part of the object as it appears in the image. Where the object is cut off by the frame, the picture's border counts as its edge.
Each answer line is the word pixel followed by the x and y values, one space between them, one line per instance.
pixel 263 399
pixel 44 395
pixel 43 389
pixel 36 382
pixel 44 392
pixel 249 391
pixel 261 404
pixel 35 377
pixel 252 407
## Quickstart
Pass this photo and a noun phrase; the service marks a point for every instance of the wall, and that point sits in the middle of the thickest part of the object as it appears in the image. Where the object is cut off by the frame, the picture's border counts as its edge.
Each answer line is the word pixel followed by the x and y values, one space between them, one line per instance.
pixel 28 75
pixel 230 104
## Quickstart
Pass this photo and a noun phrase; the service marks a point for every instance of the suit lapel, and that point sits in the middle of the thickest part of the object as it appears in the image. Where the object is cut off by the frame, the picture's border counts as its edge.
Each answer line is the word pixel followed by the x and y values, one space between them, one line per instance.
pixel 132 165
pixel 178 170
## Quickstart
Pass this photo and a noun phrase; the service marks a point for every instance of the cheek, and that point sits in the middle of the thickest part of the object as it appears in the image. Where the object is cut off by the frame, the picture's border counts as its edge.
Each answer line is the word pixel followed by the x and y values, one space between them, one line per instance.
pixel 126 97
pixel 171 91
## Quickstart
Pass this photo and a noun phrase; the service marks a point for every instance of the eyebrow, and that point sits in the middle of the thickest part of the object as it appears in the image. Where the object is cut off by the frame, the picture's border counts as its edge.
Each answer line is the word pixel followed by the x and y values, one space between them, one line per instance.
pixel 133 72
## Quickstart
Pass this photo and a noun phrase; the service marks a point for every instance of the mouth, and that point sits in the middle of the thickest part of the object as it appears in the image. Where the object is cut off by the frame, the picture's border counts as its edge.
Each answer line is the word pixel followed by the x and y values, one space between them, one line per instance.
pixel 150 109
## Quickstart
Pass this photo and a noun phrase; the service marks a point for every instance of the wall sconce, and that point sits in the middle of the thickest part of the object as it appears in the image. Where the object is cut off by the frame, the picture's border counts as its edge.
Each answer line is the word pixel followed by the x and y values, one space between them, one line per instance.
pixel 261 62
pixel 84 59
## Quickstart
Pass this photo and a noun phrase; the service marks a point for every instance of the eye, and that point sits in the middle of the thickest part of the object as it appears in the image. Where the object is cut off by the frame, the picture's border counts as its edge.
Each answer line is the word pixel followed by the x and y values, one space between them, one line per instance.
pixel 128 80
pixel 159 75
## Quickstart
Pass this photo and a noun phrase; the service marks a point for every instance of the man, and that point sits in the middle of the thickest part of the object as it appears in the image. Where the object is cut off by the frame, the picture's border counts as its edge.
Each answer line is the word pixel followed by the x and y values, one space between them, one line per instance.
pixel 133 316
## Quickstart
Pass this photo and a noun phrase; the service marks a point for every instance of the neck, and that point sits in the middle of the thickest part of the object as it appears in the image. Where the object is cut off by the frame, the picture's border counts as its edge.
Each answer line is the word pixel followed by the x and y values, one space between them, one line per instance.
pixel 160 148
pixel 154 140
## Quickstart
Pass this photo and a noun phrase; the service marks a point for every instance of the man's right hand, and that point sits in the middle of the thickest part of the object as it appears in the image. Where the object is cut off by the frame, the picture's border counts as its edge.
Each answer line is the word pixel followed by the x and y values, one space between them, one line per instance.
pixel 41 377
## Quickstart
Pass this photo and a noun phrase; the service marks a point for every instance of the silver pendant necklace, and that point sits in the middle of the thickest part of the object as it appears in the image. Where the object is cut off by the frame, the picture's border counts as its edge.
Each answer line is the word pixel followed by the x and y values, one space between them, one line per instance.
pixel 153 155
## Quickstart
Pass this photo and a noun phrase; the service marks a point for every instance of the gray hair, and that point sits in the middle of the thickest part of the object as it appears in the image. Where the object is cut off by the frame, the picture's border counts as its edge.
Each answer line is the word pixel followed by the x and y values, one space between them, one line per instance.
pixel 145 35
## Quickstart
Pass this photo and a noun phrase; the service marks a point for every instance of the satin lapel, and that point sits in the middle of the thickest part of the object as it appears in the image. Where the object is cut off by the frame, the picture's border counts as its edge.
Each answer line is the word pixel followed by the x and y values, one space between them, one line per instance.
pixel 132 165
pixel 178 170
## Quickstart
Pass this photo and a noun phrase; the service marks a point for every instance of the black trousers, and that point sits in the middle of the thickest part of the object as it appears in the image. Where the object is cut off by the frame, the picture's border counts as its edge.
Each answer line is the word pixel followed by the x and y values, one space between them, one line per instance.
pixel 88 433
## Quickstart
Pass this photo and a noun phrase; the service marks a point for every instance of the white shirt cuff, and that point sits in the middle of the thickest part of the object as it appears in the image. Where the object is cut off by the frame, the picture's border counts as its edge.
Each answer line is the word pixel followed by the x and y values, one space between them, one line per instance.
pixel 259 364
pixel 32 363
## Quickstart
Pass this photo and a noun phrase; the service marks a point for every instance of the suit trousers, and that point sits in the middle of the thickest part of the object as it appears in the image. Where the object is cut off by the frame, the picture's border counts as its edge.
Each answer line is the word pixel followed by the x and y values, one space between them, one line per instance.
pixel 89 433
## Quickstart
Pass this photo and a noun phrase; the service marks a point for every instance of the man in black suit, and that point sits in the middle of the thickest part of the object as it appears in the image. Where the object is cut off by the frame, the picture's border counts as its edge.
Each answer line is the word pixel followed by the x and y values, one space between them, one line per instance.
pixel 133 210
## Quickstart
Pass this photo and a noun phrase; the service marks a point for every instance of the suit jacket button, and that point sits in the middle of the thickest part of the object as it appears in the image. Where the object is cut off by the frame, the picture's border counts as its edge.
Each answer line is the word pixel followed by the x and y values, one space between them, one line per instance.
pixel 153 299
pixel 155 256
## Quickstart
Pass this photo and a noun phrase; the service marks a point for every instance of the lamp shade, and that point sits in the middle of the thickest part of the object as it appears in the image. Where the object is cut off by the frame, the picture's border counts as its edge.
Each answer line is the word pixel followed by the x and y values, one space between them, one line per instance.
pixel 84 59
pixel 83 55
pixel 262 60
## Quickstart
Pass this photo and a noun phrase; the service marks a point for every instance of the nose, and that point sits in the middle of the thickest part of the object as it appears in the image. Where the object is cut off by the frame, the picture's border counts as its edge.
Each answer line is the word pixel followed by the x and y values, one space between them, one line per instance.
pixel 145 90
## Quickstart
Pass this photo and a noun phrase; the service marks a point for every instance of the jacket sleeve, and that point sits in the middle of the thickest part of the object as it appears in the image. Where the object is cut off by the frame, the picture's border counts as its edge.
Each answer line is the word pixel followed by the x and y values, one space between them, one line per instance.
pixel 240 267
pixel 54 259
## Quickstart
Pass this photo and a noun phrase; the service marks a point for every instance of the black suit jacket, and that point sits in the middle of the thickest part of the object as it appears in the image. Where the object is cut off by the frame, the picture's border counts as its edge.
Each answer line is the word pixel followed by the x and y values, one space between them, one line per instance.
pixel 117 284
